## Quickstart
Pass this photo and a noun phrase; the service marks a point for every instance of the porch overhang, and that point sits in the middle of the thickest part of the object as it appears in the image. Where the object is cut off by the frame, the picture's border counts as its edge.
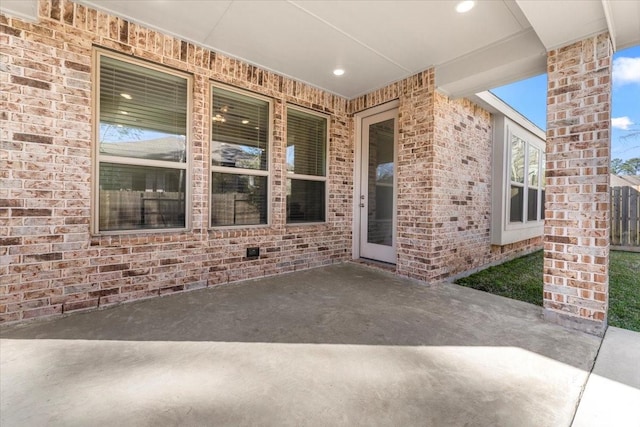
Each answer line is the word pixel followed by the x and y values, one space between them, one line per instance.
pixel 496 43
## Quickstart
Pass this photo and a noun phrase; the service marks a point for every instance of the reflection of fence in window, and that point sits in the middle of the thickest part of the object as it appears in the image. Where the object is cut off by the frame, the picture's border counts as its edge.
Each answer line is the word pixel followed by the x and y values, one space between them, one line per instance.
pixel 234 209
pixel 625 216
pixel 123 210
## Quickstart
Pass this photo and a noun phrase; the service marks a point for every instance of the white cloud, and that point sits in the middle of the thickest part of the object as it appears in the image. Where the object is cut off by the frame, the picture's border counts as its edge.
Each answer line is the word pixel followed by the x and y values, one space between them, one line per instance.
pixel 626 71
pixel 621 122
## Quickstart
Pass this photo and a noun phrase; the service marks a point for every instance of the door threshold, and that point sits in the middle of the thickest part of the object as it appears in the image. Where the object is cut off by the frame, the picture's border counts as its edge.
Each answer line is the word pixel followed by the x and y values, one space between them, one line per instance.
pixel 386 266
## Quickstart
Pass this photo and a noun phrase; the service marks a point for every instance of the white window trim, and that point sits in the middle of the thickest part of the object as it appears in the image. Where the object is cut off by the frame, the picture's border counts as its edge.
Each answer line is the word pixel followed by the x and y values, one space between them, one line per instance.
pixel 503 231
pixel 325 178
pixel 242 171
pixel 98 53
pixel 526 186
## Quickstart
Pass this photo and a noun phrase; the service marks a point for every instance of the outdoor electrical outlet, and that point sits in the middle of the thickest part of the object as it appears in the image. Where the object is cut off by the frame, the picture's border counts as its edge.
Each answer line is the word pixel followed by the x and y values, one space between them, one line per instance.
pixel 253 252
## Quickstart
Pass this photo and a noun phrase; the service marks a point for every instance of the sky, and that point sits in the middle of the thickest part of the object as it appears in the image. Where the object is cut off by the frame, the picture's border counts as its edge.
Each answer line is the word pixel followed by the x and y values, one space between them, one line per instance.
pixel 529 98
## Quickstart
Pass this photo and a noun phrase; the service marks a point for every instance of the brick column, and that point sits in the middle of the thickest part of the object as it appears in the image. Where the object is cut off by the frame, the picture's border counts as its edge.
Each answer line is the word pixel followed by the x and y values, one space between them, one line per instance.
pixel 576 242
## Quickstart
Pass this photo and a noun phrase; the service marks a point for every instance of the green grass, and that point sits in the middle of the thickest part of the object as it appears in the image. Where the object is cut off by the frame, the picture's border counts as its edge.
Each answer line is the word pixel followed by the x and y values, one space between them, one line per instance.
pixel 624 290
pixel 521 279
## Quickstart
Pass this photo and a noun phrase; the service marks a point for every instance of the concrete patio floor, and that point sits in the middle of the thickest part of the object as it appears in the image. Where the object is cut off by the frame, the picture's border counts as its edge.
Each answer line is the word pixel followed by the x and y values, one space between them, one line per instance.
pixel 338 345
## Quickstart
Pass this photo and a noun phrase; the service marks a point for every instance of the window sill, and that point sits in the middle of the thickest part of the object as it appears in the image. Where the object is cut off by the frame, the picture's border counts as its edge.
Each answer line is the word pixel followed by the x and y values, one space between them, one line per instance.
pixel 238 227
pixel 305 224
pixel 147 232
pixel 514 233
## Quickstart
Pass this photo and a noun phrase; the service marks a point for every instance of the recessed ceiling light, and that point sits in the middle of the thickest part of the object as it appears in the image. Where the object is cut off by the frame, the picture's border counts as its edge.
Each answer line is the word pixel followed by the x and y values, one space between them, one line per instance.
pixel 338 71
pixel 124 113
pixel 465 6
pixel 245 121
pixel 126 96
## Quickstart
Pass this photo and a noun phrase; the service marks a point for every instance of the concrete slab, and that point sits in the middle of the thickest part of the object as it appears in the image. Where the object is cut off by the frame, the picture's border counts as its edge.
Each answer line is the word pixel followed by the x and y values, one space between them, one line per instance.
pixel 340 345
pixel 612 394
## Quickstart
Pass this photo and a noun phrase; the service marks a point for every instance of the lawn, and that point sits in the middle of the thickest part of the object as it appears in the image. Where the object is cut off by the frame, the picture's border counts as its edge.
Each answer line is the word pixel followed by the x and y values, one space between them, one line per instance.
pixel 521 279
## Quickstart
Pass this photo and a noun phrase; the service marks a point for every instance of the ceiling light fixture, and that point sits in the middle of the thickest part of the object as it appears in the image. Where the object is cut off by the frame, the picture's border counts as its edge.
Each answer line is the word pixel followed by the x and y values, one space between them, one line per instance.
pixel 338 72
pixel 465 6
pixel 245 121
pixel 126 96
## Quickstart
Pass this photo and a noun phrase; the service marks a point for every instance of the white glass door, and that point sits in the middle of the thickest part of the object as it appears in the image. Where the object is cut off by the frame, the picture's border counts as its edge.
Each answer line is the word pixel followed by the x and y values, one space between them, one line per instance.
pixel 378 187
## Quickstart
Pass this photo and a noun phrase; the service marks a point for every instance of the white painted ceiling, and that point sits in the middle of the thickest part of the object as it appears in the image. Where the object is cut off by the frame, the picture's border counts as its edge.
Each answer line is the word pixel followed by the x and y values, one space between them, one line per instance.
pixel 377 42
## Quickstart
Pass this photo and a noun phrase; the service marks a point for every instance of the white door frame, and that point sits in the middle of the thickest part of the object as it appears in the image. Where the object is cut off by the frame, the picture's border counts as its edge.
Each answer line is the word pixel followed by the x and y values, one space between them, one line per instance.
pixel 357 170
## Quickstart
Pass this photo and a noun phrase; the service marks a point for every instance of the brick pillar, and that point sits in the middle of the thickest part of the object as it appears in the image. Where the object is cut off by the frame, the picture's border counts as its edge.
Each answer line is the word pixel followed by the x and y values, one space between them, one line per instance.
pixel 576 242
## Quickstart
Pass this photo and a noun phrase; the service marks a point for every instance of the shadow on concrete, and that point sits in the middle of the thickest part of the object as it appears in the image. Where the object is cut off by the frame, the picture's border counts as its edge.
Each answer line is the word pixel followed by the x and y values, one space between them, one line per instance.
pixel 343 345
pixel 339 304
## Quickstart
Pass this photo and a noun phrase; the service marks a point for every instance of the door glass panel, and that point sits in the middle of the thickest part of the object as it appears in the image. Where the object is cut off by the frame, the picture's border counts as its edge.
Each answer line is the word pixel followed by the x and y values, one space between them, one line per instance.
pixel 380 183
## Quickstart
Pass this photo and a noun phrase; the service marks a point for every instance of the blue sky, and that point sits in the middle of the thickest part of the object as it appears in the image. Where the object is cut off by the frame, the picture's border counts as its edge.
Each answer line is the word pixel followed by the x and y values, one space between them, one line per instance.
pixel 529 98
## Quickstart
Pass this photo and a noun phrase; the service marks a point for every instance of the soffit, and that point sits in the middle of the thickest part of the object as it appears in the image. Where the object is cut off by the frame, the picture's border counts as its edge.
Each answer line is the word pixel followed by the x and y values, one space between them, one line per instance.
pixel 559 23
pixel 378 42
pixel 27 10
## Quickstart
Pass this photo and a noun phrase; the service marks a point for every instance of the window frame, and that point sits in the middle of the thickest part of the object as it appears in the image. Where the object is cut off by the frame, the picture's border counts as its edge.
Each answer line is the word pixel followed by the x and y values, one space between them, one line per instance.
pixel 526 186
pixel 240 171
pixel 540 186
pixel 503 230
pixel 97 158
pixel 303 177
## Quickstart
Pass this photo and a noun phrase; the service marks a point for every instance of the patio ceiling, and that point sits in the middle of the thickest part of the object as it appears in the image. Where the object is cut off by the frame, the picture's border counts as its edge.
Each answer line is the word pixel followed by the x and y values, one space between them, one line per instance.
pixel 378 42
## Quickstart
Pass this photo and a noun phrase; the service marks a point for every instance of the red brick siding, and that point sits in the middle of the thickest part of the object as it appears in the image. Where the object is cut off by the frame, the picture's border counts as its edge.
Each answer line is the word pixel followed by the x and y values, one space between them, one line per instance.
pixel 50 263
pixel 577 198
pixel 444 182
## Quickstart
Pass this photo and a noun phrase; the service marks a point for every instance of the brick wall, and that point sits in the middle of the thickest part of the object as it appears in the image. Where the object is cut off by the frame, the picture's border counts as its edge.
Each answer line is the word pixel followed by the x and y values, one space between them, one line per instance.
pixel 577 223
pixel 444 182
pixel 49 262
pixel 461 201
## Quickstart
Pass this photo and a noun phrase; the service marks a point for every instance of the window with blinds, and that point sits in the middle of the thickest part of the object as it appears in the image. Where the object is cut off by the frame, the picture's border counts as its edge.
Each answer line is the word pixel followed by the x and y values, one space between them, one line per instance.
pixel 306 158
pixel 142 150
pixel 239 158
pixel 143 112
